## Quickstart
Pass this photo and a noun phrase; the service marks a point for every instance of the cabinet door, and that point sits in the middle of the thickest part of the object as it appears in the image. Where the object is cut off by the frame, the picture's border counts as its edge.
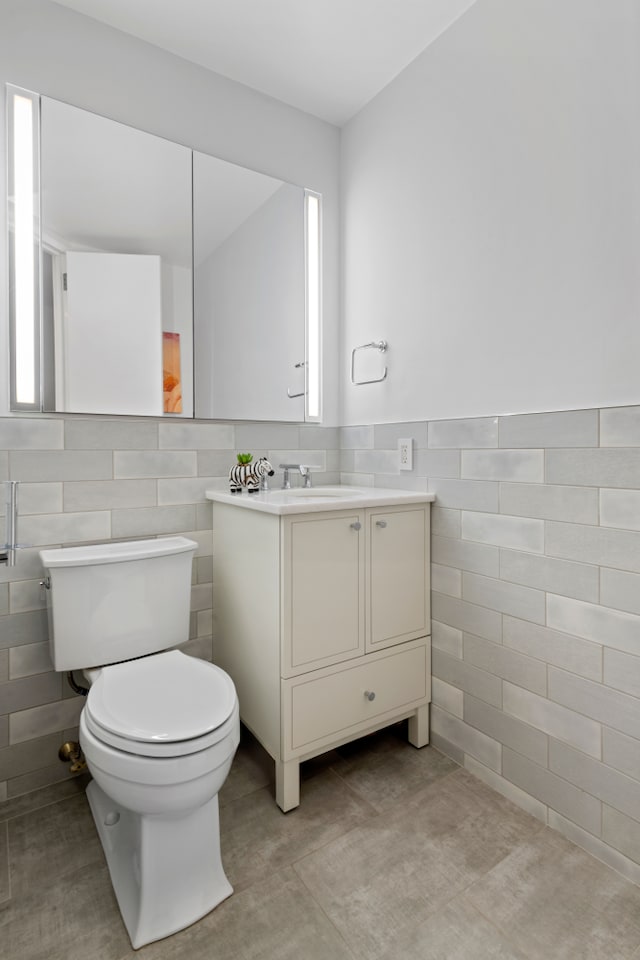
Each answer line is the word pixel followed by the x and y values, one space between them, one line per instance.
pixel 398 576
pixel 323 590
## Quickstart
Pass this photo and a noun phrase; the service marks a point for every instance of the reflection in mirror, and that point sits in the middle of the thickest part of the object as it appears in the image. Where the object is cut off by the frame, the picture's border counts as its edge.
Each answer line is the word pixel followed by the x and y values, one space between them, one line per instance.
pixel 116 267
pixel 110 327
pixel 249 293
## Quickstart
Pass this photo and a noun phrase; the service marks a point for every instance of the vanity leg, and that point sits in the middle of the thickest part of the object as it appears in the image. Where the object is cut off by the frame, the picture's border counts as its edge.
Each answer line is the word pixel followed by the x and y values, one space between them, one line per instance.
pixel 287 784
pixel 419 727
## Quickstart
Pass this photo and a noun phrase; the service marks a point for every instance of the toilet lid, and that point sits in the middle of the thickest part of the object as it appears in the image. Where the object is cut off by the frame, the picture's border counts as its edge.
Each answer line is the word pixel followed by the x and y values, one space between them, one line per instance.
pixel 165 698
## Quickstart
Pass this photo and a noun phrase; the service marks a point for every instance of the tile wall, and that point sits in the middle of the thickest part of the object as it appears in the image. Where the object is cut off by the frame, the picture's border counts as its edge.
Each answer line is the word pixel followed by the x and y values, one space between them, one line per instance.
pixel 536 607
pixel 98 479
pixel 536 585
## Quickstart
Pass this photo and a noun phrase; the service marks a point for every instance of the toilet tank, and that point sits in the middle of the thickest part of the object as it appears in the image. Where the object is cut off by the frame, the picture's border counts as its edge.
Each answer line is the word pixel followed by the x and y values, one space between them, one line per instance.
pixel 115 601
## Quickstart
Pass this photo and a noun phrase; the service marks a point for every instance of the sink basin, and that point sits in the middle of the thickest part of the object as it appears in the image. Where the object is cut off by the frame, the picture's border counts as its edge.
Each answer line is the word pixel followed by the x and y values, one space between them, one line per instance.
pixel 321 493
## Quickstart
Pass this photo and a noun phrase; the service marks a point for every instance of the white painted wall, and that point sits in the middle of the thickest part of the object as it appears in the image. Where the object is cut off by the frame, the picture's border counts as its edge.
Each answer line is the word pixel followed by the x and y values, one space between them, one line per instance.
pixel 53 50
pixel 491 208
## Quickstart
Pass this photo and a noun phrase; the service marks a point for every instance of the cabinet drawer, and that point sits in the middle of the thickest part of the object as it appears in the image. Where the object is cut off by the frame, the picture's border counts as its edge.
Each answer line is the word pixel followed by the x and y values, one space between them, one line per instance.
pixel 331 704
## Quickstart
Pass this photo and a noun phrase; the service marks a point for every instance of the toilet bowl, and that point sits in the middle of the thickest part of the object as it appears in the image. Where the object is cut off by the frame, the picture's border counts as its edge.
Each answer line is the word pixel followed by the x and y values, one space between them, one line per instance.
pixel 159 732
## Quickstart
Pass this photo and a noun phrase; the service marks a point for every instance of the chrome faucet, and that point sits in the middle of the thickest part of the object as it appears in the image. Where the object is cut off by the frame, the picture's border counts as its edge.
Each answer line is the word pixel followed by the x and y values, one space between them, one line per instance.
pixel 305 473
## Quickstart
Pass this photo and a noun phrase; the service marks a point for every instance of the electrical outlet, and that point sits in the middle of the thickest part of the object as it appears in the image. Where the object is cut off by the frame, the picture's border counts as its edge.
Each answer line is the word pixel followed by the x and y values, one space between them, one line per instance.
pixel 405 454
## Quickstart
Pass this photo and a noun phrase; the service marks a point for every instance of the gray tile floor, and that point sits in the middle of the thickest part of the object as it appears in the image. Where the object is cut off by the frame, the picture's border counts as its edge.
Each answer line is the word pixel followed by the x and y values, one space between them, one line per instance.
pixel 394 854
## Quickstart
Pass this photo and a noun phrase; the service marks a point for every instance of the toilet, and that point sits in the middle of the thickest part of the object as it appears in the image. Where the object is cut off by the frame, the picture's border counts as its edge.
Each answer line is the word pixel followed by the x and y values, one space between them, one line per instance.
pixel 159 729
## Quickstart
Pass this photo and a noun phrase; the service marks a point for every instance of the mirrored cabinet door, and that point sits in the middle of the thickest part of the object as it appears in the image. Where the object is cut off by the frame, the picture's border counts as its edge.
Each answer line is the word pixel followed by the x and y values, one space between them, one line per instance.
pixel 150 280
pixel 117 259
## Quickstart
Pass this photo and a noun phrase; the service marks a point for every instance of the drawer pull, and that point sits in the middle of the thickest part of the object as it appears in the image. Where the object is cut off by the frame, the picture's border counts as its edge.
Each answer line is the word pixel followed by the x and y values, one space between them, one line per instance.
pixel 369 695
pixel 356 525
pixel 381 523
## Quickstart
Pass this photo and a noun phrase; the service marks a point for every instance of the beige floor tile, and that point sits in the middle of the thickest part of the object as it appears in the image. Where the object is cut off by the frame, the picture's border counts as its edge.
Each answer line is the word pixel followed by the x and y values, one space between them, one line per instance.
pixel 553 900
pixel 468 827
pixel 456 932
pixel 75 918
pixel 258 839
pixel 273 920
pixel 384 768
pixel 377 883
pixel 46 844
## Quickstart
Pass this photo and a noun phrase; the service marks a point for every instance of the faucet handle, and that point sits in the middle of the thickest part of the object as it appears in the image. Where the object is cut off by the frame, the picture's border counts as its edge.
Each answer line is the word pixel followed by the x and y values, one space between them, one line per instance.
pixel 305 471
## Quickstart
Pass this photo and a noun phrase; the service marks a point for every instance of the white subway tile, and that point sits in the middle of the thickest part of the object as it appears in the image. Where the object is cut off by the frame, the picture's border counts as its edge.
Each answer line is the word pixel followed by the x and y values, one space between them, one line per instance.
pixel 149 521
pixel 511 598
pixel 470 741
pixel 466 677
pixel 26 595
pixel 603 704
pixel 578 580
pixel 570 653
pixel 595 778
pixel 622 671
pixel 43 466
pixel 620 427
pixel 507 730
pixel 551 717
pixel 356 438
pixel 572 428
pixel 594 468
pixel 503 662
pixel 620 590
pixel 621 752
pixel 620 508
pixel 609 548
pixel 56 528
pixel 621 832
pixel 181 435
pixel 26 433
pixel 29 659
pixel 448 697
pixel 446 580
pixel 507 789
pixel 466 555
pixel 467 616
pixel 526 466
pixel 549 502
pixel 132 464
pixel 41 720
pixel 102 434
pixel 611 628
pixel 386 435
pixel 446 638
pixel 465 494
pixel 480 432
pixel 556 793
pixel 517 532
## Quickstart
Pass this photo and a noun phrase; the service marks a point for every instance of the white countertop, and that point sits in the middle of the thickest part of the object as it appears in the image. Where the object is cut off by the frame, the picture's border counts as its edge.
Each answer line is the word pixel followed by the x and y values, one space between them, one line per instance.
pixel 316 499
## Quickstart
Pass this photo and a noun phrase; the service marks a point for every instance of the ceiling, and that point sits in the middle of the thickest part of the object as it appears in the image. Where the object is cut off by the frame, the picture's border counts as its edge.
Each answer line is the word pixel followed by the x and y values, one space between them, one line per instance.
pixel 327 57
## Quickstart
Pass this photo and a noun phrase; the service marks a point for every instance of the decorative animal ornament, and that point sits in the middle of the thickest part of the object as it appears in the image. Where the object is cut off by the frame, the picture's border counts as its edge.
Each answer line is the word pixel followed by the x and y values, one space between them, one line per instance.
pixel 249 475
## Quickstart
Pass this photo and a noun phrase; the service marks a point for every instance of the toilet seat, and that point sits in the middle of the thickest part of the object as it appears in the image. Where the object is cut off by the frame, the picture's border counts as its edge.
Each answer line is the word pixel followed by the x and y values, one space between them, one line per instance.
pixel 165 705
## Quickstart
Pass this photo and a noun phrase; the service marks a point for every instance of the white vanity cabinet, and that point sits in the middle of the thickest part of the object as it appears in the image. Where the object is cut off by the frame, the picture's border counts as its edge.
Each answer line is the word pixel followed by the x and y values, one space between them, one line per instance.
pixel 322 619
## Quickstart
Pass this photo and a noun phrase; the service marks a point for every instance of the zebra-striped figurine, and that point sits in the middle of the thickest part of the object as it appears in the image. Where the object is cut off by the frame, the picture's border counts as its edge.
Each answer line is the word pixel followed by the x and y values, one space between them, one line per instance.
pixel 249 475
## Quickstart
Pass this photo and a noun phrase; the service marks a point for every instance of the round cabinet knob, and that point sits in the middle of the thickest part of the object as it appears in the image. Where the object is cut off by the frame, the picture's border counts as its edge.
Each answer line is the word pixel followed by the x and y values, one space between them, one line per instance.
pixel 356 525
pixel 369 695
pixel 381 523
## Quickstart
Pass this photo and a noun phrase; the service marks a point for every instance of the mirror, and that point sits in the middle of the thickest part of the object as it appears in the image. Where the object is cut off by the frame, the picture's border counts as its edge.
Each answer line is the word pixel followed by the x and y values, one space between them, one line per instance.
pixel 249 293
pixel 117 278
pixel 172 283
